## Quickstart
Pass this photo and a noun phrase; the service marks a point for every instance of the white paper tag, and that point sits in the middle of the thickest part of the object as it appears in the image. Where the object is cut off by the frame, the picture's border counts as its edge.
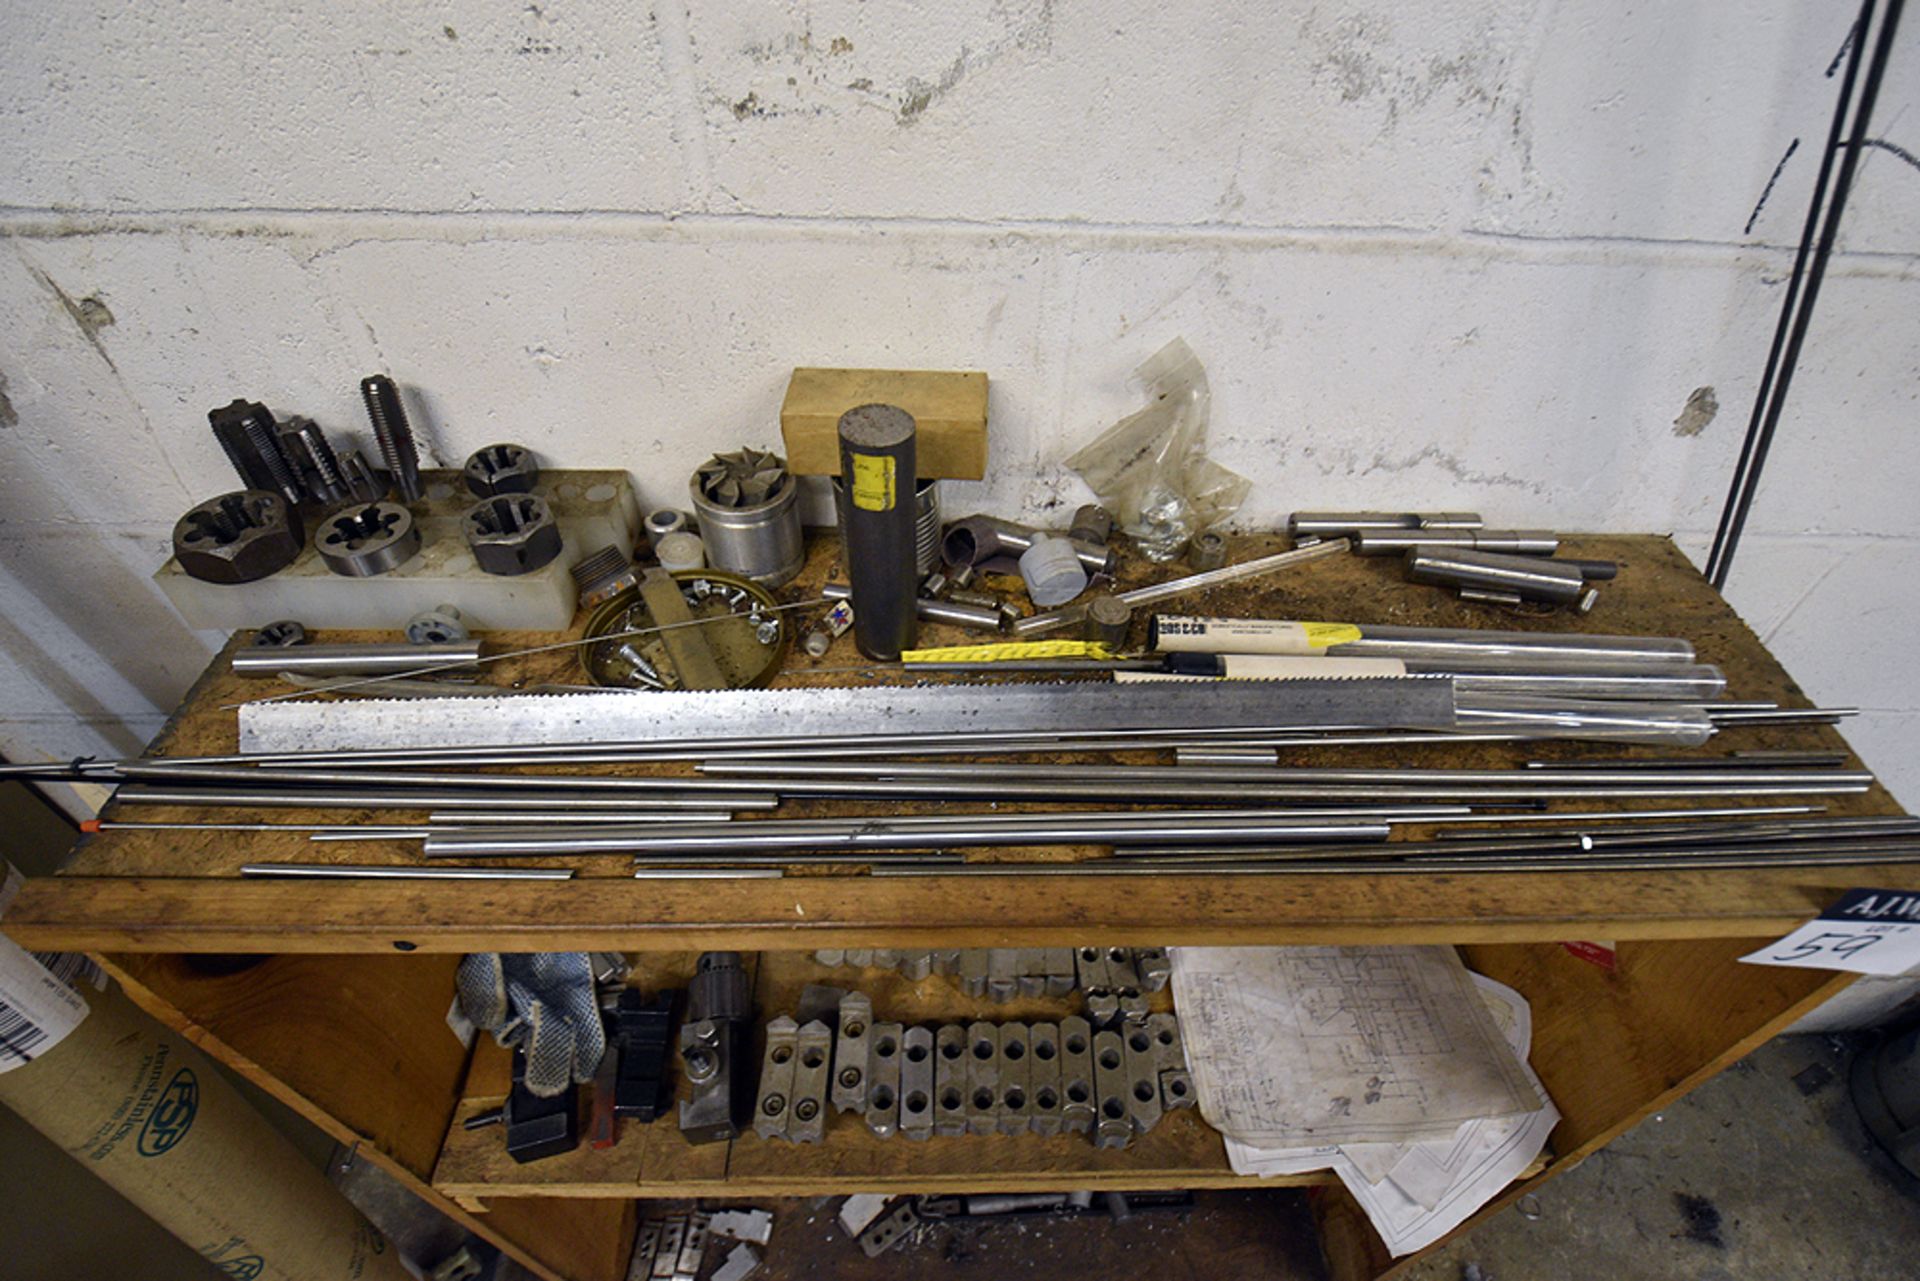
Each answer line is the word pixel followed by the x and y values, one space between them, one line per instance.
pixel 37 1008
pixel 1866 932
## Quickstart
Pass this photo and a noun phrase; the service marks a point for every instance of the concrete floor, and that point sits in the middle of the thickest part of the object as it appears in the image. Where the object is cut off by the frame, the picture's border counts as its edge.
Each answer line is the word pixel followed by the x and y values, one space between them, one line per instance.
pixel 1762 1174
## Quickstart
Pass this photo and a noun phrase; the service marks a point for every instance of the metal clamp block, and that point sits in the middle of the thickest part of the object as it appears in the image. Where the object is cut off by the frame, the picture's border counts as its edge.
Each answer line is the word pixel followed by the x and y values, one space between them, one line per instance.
pixel 1113 1126
pixel 1143 1078
pixel 950 1080
pixel 1154 967
pixel 1061 974
pixel 914 965
pixel 946 961
pixel 1103 1006
pixel 1015 1095
pixel 1003 971
pixel 1090 964
pixel 1170 1055
pixel 916 1083
pixel 1076 1075
pixel 850 1053
pixel 830 957
pixel 807 1114
pixel 983 1078
pixel 776 1079
pixel 883 1095
pixel 1043 1078
pixel 1030 970
pixel 973 972
pixel 886 1231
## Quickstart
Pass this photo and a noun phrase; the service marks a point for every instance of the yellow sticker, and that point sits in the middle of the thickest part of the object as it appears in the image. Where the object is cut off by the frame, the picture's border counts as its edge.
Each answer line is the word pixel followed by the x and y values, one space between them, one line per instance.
pixel 1321 635
pixel 873 486
pixel 1006 652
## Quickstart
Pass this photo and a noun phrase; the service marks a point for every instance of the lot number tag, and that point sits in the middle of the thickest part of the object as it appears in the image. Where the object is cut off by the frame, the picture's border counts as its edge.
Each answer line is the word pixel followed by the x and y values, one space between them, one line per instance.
pixel 1867 932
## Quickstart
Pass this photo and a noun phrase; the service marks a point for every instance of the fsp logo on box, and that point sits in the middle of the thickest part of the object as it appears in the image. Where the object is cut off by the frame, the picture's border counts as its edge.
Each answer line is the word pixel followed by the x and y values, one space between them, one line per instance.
pixel 172 1114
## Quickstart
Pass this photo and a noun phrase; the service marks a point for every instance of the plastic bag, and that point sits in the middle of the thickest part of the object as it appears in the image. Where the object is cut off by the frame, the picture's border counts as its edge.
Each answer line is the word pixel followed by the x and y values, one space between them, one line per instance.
pixel 1151 468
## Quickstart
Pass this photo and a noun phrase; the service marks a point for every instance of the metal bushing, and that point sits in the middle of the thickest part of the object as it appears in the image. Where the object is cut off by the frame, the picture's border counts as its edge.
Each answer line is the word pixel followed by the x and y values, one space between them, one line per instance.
pixel 1207 551
pixel 284 634
pixel 238 537
pixel 511 533
pixel 440 625
pixel 362 542
pixel 501 469
pixel 746 505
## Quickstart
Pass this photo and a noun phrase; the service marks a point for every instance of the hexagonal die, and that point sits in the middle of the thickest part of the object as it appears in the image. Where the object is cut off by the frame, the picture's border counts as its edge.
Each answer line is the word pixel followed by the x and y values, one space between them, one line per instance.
pixel 238 537
pixel 511 533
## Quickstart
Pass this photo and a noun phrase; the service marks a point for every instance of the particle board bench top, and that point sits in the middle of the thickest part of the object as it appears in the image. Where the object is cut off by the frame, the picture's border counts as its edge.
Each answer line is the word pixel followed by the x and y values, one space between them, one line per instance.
pixel 180 891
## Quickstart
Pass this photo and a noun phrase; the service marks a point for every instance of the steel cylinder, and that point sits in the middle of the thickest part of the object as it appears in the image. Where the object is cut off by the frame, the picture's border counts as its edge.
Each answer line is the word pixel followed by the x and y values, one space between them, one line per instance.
pixel 877 466
pixel 1513 542
pixel 354 660
pixel 1528 577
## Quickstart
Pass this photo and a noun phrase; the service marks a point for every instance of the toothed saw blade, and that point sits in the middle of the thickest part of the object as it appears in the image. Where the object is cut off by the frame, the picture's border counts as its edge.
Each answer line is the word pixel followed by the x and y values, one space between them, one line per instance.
pixel 802 714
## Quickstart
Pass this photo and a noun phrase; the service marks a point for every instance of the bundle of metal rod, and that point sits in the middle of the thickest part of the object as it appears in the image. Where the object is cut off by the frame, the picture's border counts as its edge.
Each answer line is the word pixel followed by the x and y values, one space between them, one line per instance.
pixel 1688 682
pixel 738 842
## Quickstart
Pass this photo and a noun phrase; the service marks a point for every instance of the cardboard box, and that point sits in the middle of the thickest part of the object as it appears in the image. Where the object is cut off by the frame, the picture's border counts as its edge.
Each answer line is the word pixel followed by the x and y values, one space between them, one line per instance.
pixel 949 409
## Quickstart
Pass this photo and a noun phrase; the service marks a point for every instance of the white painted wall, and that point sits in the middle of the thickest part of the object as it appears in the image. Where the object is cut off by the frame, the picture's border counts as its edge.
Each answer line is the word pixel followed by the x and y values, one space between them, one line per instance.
pixel 1467 253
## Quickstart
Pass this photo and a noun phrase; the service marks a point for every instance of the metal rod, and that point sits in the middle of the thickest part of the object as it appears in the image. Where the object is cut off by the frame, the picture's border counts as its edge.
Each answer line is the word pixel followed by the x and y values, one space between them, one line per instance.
pixel 1566 780
pixel 1752 837
pixel 716 873
pixel 878 834
pixel 1611 863
pixel 1512 542
pixel 550 818
pixel 1039 624
pixel 957 613
pixel 266 795
pixel 1733 760
pixel 1804 289
pixel 370 829
pixel 1779 715
pixel 353 660
pixel 397 872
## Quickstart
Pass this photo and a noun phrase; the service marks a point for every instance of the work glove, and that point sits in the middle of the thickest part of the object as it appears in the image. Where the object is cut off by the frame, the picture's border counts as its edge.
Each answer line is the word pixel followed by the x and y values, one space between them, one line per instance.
pixel 541 1003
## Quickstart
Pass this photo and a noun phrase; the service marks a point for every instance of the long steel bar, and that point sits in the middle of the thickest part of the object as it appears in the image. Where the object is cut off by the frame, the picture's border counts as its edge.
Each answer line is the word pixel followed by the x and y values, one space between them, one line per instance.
pixel 878 834
pixel 1661 863
pixel 1570 780
pixel 1627 841
pixel 354 659
pixel 265 795
pixel 382 871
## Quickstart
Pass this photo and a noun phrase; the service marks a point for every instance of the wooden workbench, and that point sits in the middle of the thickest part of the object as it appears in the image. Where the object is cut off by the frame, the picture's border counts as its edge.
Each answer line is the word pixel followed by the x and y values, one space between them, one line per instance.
pixel 333 995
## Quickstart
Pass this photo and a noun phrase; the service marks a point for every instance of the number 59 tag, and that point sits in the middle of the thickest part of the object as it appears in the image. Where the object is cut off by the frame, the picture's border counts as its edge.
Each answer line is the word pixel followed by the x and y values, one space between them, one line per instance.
pixel 1867 932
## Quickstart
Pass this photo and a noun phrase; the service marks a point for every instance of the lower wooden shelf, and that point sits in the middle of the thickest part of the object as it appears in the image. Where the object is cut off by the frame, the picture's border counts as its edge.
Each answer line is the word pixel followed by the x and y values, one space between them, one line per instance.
pixel 655 1161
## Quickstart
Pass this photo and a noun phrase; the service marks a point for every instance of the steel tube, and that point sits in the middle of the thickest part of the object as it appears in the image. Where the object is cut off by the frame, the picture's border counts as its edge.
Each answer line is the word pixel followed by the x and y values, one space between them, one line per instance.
pixel 1469 644
pixel 1514 542
pixel 957 613
pixel 1528 577
pixel 352 660
pixel 1346 524
pixel 400 872
pixel 549 818
pixel 976 539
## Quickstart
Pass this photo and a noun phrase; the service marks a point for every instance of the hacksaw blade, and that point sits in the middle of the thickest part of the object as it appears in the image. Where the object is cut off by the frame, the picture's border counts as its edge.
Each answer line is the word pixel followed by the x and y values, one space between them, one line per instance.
pixel 1409 702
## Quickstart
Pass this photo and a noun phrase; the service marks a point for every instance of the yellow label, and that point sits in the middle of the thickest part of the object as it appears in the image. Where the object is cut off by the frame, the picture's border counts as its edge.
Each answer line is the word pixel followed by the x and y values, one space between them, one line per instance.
pixel 873 485
pixel 1007 652
pixel 1321 635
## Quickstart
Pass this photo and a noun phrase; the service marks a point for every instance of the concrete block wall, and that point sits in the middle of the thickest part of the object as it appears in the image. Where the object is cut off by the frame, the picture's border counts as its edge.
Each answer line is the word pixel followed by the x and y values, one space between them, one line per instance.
pixel 1524 257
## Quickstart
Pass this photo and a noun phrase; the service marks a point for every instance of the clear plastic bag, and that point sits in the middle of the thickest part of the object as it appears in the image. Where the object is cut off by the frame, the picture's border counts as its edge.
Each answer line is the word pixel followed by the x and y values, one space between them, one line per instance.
pixel 1151 468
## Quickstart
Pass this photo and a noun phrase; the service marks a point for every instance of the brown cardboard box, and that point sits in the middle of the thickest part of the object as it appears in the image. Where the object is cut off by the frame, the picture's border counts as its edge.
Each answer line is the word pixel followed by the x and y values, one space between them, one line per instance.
pixel 147 1112
pixel 949 409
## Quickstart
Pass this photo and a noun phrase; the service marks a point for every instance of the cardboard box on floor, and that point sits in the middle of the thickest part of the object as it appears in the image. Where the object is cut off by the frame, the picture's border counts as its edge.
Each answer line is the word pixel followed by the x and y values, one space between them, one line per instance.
pixel 949 409
pixel 148 1113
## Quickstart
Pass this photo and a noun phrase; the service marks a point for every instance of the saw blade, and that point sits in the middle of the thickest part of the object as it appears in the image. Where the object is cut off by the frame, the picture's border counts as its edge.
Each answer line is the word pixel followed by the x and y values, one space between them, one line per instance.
pixel 711 717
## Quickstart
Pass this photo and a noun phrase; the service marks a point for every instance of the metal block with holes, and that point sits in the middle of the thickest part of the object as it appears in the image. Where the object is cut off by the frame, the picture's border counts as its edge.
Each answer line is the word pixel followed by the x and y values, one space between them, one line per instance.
pixel 950 1080
pixel 807 1113
pixel 1044 1114
pixel 1077 1103
pixel 1014 1077
pixel 1143 1077
pixel 1113 1124
pixel 916 1083
pixel 776 1079
pixel 983 1078
pixel 883 1093
pixel 850 1051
